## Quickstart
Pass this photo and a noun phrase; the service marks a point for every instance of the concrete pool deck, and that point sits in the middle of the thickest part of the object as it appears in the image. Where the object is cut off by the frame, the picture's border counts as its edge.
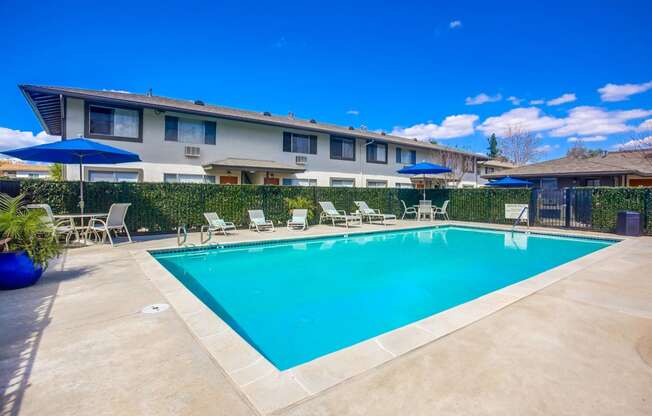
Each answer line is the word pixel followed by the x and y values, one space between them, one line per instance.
pixel 76 343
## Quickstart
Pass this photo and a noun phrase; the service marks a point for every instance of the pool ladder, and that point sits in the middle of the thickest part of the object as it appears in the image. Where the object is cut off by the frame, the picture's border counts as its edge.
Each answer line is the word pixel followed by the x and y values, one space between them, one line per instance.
pixel 518 219
pixel 182 236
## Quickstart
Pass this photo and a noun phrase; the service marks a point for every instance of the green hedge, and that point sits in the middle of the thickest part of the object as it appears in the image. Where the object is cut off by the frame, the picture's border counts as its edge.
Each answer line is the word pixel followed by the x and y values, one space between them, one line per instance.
pixel 161 207
pixel 607 202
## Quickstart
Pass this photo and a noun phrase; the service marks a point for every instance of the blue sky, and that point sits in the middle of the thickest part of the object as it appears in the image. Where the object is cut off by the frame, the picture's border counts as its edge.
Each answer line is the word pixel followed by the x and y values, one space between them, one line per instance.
pixel 442 70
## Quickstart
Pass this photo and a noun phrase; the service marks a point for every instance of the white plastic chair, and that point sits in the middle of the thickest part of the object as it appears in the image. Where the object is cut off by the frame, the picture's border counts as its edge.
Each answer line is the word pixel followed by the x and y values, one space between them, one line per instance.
pixel 115 221
pixel 425 209
pixel 215 223
pixel 330 213
pixel 408 210
pixel 373 214
pixel 441 211
pixel 299 220
pixel 258 221
pixel 63 227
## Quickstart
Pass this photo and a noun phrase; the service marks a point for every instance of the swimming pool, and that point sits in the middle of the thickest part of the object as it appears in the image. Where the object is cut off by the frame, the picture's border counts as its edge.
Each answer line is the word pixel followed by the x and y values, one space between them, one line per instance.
pixel 296 301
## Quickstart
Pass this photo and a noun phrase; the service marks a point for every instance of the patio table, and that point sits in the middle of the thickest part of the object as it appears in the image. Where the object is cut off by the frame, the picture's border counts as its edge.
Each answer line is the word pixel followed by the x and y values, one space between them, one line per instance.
pixel 81 218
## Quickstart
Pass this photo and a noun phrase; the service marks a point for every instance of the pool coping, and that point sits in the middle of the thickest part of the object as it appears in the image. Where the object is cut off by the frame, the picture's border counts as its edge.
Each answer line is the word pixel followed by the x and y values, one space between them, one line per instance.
pixel 270 389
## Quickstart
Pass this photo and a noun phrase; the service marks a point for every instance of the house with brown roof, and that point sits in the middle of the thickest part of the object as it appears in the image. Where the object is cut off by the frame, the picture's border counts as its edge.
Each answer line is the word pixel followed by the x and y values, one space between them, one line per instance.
pixel 486 167
pixel 192 141
pixel 621 168
pixel 11 169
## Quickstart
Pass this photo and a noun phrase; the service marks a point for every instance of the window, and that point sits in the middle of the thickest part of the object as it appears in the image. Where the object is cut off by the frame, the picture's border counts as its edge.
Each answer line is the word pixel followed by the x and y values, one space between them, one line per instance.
pixel 299 143
pixel 469 165
pixel 548 183
pixel 489 170
pixel 406 157
pixel 113 122
pixel 342 148
pixel 112 176
pixel 593 182
pixel 376 184
pixel 299 182
pixel 404 186
pixel 187 178
pixel 188 130
pixel 342 183
pixel 376 152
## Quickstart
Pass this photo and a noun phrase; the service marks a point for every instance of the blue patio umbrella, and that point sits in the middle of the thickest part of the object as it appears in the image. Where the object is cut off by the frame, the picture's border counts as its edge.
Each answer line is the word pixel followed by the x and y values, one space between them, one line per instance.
pixel 73 151
pixel 509 182
pixel 424 168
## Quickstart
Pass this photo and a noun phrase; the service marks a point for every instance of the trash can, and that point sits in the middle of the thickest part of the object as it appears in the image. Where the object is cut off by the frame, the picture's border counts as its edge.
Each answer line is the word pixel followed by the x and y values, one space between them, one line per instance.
pixel 628 223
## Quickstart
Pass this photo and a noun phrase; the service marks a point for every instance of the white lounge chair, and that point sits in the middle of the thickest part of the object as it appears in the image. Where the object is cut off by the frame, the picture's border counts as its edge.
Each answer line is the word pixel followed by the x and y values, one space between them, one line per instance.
pixel 408 210
pixel 329 213
pixel 258 221
pixel 443 211
pixel 299 219
pixel 62 227
pixel 115 221
pixel 373 214
pixel 215 223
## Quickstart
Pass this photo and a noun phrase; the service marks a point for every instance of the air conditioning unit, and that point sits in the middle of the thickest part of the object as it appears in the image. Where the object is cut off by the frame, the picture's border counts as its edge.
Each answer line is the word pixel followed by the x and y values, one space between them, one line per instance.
pixel 191 151
pixel 301 160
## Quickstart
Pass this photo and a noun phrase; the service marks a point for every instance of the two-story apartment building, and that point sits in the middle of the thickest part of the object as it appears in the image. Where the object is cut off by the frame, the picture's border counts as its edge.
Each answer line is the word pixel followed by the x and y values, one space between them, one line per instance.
pixel 190 141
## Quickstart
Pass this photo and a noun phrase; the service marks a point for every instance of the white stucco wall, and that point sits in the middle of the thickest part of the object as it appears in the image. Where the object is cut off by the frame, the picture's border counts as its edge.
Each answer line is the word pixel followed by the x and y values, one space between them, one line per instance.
pixel 240 140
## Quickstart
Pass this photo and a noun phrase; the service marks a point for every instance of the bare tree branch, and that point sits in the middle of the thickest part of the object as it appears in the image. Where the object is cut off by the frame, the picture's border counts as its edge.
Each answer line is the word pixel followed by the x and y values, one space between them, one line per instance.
pixel 520 146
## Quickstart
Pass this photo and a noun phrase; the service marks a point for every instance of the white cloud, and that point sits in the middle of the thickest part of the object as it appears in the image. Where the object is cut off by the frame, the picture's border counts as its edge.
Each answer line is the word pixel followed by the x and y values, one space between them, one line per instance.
pixel 537 102
pixel 353 112
pixel 546 148
pixel 531 119
pixel 646 125
pixel 622 92
pixel 482 98
pixel 514 100
pixel 455 24
pixel 591 121
pixel 452 126
pixel 645 143
pixel 13 139
pixel 587 139
pixel 563 99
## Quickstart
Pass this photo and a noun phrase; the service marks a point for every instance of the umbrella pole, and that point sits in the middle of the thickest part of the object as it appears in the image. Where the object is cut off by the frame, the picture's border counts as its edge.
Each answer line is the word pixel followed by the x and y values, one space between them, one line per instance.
pixel 81 189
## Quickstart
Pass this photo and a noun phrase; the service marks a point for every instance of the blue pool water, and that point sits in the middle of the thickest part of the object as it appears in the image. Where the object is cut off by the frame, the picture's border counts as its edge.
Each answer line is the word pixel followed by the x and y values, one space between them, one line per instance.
pixel 297 301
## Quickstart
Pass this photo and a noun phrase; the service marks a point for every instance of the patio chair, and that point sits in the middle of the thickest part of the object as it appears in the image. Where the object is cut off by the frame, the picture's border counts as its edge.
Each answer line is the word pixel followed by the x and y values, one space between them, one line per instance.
pixel 215 223
pixel 258 221
pixel 63 227
pixel 443 211
pixel 425 209
pixel 299 219
pixel 115 221
pixel 329 213
pixel 408 210
pixel 373 214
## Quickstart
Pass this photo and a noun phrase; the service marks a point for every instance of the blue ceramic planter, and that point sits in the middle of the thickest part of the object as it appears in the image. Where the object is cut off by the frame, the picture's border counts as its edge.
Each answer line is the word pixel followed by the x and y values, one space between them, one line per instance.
pixel 17 270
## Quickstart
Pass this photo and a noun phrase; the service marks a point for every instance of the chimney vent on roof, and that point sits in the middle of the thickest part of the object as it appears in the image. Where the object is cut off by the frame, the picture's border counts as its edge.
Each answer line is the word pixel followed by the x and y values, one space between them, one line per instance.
pixel 351 128
pixel 199 102
pixel 363 127
pixel 291 115
pixel 383 133
pixel 605 153
pixel 149 93
pixel 313 121
pixel 267 113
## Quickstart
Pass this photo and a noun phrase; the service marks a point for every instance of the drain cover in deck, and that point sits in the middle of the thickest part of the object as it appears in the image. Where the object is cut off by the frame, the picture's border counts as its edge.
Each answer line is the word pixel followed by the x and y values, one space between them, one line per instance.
pixel 155 308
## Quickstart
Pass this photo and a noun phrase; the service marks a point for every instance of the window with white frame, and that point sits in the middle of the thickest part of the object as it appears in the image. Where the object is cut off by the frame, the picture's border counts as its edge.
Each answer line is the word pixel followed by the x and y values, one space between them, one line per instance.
pixel 112 176
pixel 376 184
pixel 342 183
pixel 187 178
pixel 189 130
pixel 299 182
pixel 404 185
pixel 105 121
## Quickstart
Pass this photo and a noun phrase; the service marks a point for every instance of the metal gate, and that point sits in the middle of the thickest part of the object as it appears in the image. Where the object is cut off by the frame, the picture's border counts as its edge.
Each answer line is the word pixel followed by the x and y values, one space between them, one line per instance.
pixel 567 207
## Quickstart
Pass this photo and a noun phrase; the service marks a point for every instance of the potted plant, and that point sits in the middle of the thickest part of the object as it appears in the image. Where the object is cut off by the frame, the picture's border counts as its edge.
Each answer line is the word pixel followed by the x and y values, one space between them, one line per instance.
pixel 29 244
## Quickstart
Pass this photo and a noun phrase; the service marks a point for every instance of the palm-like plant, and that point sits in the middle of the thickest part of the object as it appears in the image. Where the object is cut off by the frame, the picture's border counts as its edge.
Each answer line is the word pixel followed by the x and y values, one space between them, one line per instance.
pixel 26 230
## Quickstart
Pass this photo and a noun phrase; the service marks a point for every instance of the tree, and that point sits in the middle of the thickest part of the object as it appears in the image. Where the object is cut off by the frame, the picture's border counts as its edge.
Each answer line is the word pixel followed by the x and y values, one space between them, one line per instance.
pixel 493 151
pixel 56 172
pixel 519 146
pixel 579 151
